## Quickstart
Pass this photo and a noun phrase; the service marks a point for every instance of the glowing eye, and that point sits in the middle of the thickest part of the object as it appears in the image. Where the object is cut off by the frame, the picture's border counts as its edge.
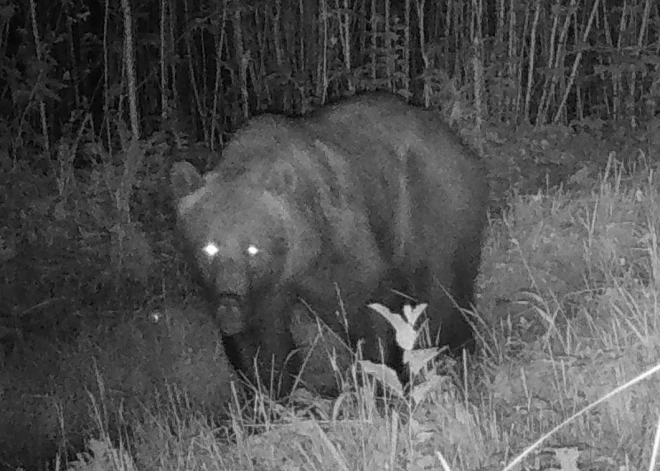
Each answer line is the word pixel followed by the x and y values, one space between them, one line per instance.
pixel 253 250
pixel 210 250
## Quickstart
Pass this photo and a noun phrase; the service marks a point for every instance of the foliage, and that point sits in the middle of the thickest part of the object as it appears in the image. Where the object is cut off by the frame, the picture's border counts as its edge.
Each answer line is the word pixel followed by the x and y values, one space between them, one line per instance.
pixel 202 69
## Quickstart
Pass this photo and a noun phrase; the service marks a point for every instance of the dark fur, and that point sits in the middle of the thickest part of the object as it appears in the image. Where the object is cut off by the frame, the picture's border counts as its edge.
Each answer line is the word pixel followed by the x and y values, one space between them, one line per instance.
pixel 364 197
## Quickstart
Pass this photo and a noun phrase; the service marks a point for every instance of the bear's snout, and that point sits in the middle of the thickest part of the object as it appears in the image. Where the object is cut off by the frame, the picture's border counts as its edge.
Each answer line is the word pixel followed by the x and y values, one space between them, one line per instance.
pixel 230 314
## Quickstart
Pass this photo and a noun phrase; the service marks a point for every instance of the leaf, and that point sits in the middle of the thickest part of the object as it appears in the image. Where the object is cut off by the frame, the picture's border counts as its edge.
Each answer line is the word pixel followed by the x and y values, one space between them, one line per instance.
pixel 421 391
pixel 412 313
pixel 384 374
pixel 418 359
pixel 405 334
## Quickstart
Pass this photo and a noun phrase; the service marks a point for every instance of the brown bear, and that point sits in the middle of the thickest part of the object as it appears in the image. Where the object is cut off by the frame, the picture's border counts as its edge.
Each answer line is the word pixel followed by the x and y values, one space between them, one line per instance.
pixel 347 206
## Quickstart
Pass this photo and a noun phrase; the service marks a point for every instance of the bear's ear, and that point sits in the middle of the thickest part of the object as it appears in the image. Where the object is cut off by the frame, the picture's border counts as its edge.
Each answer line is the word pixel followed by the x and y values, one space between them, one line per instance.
pixel 185 179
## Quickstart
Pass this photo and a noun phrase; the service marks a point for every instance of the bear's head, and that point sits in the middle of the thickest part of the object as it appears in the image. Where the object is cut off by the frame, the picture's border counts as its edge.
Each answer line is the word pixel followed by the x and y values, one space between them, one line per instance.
pixel 246 236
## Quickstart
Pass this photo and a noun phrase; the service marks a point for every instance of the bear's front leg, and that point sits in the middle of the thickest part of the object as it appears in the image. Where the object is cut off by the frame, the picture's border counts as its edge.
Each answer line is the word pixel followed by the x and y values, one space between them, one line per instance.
pixel 267 344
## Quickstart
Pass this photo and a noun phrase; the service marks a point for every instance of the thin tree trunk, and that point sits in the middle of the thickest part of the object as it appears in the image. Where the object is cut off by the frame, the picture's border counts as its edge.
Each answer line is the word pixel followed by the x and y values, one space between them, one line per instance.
pixel 576 63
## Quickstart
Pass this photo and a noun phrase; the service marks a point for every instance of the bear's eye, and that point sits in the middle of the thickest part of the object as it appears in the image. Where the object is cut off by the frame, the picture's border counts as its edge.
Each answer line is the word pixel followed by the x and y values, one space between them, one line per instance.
pixel 252 250
pixel 210 250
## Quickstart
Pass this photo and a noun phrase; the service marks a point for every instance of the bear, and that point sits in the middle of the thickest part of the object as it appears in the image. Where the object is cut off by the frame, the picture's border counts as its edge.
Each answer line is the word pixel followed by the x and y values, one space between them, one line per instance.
pixel 358 202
